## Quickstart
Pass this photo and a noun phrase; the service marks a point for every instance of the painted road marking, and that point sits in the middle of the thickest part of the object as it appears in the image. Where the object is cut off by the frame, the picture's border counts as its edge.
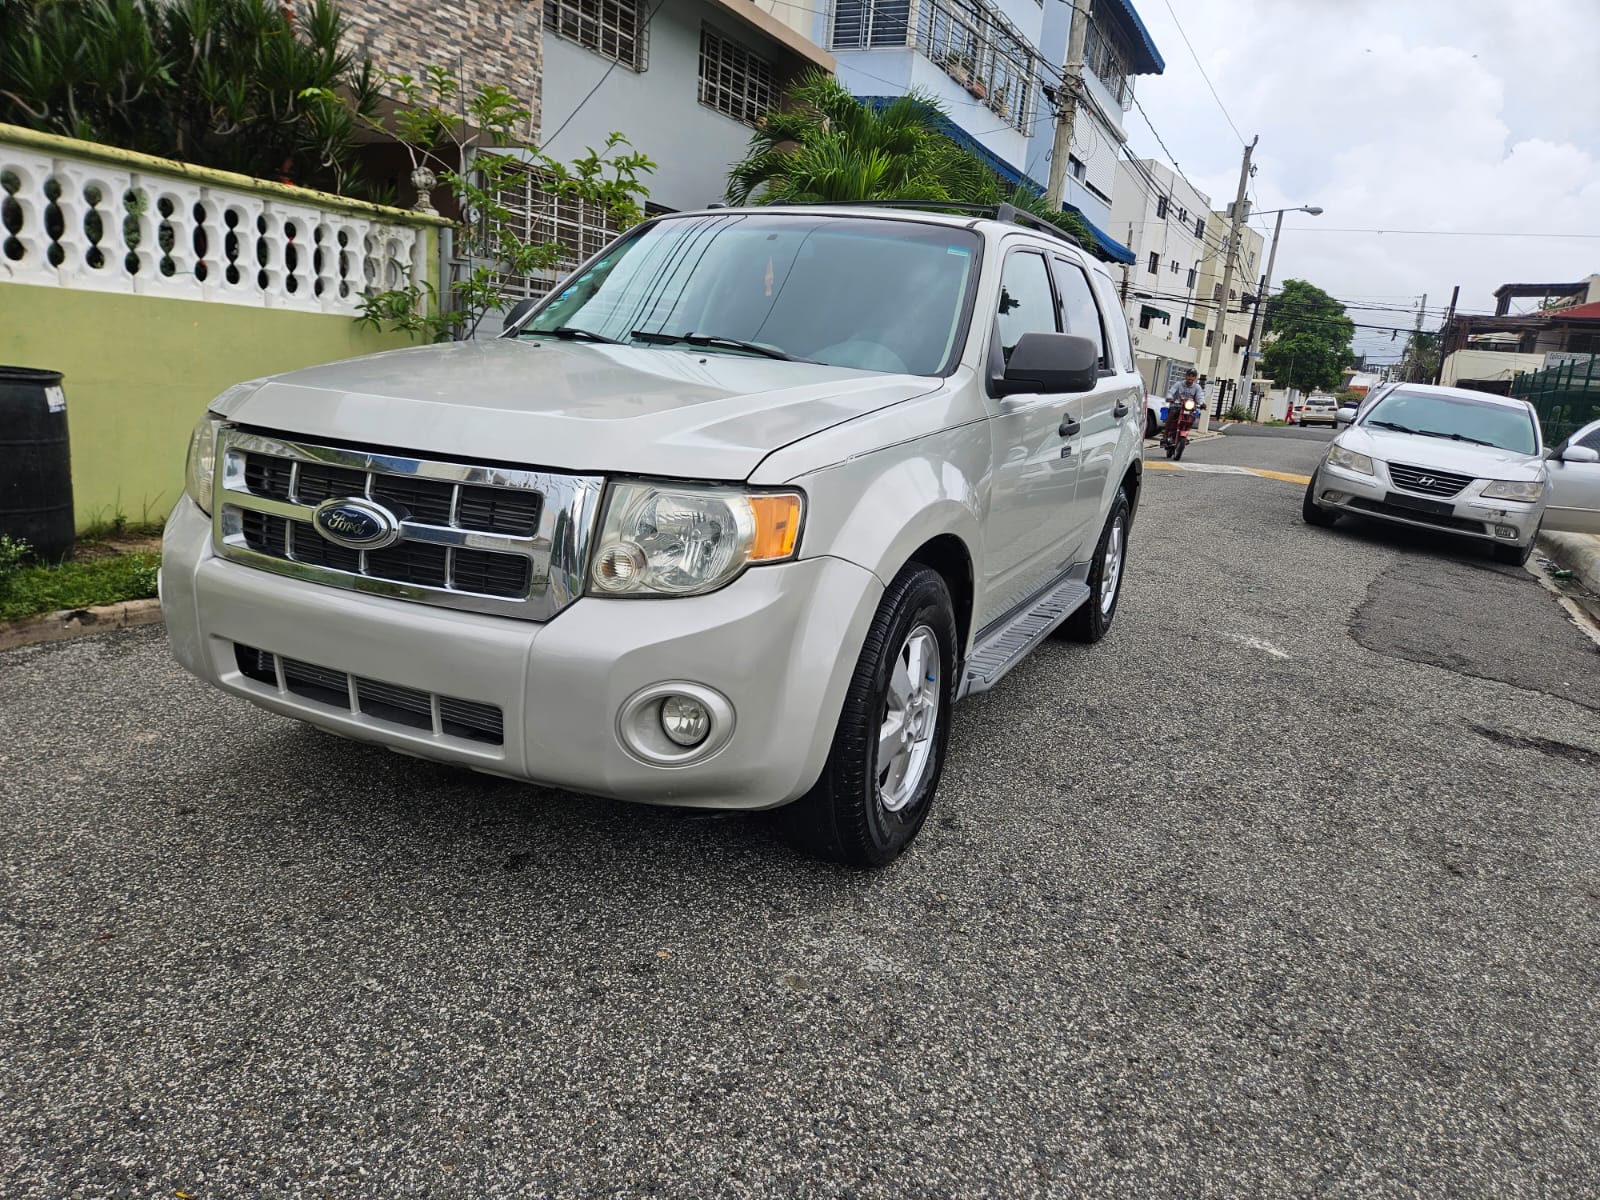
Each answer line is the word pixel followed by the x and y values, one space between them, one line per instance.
pixel 1217 469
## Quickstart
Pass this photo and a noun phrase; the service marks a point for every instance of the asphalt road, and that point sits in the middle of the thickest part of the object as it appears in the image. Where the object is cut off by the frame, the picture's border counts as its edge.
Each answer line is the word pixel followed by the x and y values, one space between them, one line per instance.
pixel 1290 887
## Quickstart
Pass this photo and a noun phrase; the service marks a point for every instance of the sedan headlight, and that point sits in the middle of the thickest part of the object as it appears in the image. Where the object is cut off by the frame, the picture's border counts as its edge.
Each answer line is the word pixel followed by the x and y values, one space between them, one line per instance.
pixel 1338 456
pixel 201 468
pixel 682 540
pixel 1514 489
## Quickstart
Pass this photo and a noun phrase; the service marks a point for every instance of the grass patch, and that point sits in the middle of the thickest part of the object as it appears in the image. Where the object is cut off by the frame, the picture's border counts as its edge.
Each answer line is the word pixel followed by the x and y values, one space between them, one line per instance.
pixel 28 590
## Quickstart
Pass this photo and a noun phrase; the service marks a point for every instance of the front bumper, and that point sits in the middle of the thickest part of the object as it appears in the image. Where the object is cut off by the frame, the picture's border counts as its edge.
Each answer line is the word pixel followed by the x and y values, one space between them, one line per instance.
pixel 1467 514
pixel 780 644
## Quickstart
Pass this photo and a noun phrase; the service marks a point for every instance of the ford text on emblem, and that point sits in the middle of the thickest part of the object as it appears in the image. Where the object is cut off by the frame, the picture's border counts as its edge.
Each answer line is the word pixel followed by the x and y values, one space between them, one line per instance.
pixel 356 523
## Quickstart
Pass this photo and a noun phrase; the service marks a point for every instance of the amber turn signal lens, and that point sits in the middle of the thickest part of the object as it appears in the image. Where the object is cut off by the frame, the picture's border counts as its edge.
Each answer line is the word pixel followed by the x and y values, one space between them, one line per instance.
pixel 777 526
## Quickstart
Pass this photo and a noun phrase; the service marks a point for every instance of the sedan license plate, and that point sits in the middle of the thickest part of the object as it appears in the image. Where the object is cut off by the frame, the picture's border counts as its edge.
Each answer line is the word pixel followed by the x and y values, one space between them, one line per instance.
pixel 1437 507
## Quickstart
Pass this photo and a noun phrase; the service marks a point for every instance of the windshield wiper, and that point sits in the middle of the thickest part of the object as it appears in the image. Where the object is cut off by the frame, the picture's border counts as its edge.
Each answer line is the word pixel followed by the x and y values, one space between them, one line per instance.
pixel 571 333
pixel 709 339
pixel 1403 428
pixel 1461 437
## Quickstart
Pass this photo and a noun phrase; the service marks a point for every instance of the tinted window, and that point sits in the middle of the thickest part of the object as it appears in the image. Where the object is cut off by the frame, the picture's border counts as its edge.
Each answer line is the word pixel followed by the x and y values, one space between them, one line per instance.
pixel 1027 305
pixel 1456 418
pixel 1078 309
pixel 1590 440
pixel 850 292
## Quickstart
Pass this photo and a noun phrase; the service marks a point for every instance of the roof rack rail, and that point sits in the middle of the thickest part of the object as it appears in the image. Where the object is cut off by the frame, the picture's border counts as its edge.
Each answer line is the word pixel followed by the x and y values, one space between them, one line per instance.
pixel 1004 212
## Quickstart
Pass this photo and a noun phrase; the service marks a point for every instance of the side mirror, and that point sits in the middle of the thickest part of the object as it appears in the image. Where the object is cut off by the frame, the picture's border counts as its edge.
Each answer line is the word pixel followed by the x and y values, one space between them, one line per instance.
pixel 517 311
pixel 1346 414
pixel 1050 362
pixel 1580 454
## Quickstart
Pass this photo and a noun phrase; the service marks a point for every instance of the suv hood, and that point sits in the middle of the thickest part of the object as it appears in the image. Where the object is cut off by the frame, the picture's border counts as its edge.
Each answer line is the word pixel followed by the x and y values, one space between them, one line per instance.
pixel 1462 458
pixel 570 406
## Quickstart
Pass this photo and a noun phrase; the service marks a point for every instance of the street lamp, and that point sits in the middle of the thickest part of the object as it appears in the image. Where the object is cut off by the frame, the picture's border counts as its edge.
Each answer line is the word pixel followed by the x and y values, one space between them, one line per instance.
pixel 1246 376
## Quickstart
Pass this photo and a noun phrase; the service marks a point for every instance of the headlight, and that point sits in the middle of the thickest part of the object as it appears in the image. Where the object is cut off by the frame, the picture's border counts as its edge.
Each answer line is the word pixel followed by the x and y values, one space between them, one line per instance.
pixel 681 540
pixel 1514 489
pixel 201 467
pixel 1338 456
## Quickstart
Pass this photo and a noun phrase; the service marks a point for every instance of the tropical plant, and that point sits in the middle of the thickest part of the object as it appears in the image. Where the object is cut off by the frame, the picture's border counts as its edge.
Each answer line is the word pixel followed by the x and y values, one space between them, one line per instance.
pixel 826 145
pixel 444 129
pixel 253 86
pixel 1308 337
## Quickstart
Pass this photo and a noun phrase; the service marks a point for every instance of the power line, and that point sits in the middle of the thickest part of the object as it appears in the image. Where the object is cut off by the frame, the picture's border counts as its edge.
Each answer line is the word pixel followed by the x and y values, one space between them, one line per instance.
pixel 1444 232
pixel 651 16
pixel 1203 74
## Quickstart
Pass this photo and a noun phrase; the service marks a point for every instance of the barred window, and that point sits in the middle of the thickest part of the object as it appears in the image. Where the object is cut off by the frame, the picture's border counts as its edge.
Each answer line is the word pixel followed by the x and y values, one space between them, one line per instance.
pixel 540 215
pixel 734 81
pixel 614 29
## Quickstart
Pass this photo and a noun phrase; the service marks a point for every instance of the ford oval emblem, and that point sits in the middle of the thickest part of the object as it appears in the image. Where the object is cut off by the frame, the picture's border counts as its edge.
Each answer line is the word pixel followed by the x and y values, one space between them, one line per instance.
pixel 356 524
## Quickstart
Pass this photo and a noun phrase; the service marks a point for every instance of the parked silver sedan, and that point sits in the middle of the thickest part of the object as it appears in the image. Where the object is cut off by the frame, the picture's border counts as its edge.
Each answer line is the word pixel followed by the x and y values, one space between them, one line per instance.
pixel 1459 462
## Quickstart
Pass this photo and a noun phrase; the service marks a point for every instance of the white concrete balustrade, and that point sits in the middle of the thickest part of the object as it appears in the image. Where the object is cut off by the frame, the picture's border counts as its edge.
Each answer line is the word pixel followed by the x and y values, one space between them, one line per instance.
pixel 117 222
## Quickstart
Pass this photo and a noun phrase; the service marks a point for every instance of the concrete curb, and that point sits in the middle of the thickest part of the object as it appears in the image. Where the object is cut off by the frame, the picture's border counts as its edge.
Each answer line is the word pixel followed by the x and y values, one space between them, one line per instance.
pixel 77 622
pixel 1578 553
pixel 1193 437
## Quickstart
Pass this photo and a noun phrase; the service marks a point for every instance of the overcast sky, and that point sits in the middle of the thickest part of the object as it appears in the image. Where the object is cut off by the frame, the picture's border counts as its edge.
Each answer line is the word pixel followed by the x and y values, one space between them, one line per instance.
pixel 1392 114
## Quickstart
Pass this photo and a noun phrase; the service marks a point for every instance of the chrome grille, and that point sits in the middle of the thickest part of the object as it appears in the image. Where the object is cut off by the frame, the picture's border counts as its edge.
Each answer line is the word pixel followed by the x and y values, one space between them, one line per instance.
pixel 1427 482
pixel 390 702
pixel 494 539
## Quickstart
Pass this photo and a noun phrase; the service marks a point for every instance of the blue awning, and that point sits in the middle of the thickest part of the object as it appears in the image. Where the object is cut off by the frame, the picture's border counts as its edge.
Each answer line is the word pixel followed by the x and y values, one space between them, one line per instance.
pixel 1146 59
pixel 1110 249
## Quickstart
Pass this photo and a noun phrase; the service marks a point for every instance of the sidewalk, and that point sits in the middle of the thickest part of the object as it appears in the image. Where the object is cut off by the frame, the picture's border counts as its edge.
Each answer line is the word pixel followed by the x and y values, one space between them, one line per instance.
pixel 1580 554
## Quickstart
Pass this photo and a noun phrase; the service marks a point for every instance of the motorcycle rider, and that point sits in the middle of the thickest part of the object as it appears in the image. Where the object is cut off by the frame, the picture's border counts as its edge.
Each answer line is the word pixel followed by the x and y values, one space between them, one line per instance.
pixel 1187 390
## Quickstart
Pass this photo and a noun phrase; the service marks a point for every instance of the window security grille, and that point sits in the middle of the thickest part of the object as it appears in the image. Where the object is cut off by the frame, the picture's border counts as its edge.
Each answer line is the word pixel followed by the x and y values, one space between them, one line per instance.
pixel 734 81
pixel 614 29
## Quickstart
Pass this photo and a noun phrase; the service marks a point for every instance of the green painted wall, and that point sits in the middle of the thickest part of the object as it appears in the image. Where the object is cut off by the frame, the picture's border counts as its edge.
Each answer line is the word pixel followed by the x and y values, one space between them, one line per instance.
pixel 140 371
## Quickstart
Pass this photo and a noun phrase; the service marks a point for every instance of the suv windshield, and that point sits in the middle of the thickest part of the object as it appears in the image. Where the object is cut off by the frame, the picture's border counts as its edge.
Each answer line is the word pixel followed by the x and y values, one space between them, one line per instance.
pixel 1457 418
pixel 878 295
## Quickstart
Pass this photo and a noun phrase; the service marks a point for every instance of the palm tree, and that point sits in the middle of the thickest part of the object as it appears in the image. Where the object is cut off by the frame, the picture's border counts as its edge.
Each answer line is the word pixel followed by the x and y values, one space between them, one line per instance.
pixel 826 145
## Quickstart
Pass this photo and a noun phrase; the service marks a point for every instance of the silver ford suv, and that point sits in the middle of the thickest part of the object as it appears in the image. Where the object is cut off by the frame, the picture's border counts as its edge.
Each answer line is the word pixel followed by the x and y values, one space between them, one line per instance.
pixel 731 518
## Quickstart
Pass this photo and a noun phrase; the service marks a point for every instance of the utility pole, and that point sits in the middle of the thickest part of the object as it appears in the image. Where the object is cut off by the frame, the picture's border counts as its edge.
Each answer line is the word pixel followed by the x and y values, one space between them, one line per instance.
pixel 1450 315
pixel 1227 270
pixel 1413 350
pixel 1067 105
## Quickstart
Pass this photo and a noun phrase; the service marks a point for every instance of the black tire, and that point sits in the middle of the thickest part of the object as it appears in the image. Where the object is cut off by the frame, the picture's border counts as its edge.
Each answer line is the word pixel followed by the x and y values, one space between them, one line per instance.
pixel 1514 555
pixel 1177 451
pixel 1093 619
pixel 1312 512
pixel 1150 426
pixel 843 817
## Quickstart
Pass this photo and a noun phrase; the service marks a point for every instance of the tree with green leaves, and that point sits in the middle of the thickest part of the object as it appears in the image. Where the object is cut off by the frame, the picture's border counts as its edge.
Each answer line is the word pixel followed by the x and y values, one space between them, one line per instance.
pixel 1307 338
pixel 825 145
pixel 444 128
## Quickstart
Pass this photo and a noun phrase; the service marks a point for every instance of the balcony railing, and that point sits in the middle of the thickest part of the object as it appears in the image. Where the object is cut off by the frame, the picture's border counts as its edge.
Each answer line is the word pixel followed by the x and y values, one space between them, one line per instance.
pixel 971 41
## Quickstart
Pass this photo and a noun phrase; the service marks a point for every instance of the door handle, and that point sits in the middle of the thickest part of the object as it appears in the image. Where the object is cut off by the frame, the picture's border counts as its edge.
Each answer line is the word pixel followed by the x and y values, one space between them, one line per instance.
pixel 1121 410
pixel 1069 427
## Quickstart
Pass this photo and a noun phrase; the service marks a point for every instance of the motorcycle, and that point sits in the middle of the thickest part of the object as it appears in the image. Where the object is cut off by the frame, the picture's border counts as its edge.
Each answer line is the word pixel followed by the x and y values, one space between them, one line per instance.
pixel 1175 437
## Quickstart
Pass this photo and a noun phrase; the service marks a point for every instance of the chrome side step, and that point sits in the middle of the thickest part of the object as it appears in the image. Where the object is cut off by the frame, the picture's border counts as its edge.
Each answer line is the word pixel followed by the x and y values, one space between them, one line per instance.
pixel 1009 645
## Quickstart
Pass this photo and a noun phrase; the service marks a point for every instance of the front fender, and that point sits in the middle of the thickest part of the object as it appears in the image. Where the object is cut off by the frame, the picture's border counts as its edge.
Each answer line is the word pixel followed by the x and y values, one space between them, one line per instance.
pixel 878 509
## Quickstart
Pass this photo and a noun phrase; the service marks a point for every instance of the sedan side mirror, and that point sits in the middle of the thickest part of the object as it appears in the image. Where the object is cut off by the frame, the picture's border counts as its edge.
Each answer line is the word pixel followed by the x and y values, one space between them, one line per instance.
pixel 1577 454
pixel 1050 362
pixel 1346 414
pixel 517 311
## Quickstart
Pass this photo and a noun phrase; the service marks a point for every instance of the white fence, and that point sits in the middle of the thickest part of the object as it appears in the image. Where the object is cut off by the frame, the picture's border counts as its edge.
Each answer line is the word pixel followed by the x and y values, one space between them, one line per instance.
pixel 117 226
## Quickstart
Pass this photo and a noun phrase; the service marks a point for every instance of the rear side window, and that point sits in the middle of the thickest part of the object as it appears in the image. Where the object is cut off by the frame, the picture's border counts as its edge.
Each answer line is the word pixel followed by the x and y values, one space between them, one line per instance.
pixel 1027 305
pixel 1591 440
pixel 1078 309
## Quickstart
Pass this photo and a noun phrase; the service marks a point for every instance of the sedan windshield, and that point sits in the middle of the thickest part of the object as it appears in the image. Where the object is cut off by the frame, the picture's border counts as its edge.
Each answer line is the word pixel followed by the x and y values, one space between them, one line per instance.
pixel 1456 418
pixel 877 295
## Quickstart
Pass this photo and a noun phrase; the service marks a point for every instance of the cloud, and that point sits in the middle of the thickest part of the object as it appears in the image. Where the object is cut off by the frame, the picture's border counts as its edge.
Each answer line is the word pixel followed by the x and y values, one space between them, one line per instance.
pixel 1448 115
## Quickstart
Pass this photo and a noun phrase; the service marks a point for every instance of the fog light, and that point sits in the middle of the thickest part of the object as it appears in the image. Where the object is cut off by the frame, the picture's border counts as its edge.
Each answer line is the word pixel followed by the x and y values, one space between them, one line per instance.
pixel 1505 531
pixel 685 720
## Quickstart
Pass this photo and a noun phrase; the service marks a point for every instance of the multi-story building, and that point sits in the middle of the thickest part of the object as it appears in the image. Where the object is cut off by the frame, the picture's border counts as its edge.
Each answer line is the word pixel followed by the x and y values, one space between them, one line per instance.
pixel 1233 323
pixel 1116 49
pixel 1165 222
pixel 989 64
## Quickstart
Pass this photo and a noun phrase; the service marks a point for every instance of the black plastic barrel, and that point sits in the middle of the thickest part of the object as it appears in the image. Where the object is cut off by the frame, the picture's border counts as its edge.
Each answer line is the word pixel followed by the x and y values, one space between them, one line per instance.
pixel 35 462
